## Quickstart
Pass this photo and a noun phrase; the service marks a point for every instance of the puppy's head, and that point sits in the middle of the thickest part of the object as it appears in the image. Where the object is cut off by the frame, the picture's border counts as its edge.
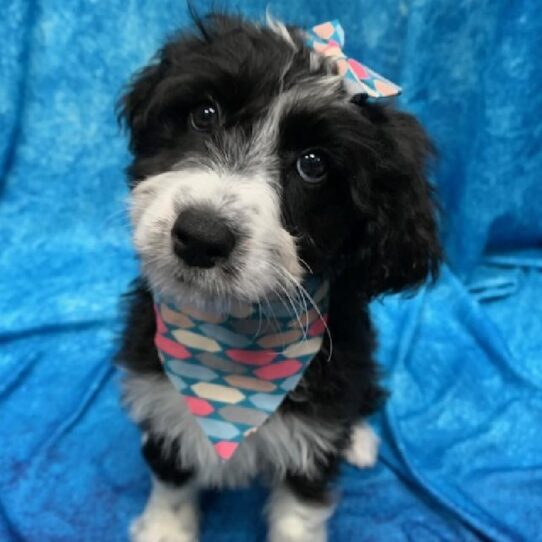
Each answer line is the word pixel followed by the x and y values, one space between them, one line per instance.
pixel 253 165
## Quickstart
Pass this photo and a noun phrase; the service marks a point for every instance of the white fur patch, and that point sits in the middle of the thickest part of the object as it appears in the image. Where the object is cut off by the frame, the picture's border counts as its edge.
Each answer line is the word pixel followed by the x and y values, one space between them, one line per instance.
pixel 171 515
pixel 363 450
pixel 293 520
pixel 285 443
pixel 265 251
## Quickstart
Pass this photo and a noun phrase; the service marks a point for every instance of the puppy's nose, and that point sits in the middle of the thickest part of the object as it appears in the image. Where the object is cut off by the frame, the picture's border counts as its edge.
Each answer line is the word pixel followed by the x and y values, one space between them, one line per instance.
pixel 201 238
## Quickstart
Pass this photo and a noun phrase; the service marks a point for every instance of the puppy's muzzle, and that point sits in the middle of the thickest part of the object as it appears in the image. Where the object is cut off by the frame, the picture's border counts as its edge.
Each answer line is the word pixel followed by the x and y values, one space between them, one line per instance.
pixel 201 238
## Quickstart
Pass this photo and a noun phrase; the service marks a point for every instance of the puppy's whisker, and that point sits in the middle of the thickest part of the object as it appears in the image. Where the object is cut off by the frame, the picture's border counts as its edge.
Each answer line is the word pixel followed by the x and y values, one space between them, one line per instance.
pixel 120 216
pixel 316 308
pixel 305 265
pixel 299 296
pixel 302 306
pixel 297 316
pixel 272 313
pixel 305 308
pixel 258 331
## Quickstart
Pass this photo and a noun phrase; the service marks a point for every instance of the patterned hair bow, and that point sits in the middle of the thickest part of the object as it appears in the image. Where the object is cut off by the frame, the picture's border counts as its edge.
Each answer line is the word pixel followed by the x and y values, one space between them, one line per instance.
pixel 328 39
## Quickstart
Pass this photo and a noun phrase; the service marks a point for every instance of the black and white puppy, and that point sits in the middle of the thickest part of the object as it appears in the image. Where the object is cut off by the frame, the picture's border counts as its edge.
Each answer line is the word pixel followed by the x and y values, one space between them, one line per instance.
pixel 246 135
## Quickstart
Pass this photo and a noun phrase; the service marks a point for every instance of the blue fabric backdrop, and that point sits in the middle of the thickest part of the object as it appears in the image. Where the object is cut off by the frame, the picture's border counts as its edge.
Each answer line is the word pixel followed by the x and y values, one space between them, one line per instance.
pixel 462 449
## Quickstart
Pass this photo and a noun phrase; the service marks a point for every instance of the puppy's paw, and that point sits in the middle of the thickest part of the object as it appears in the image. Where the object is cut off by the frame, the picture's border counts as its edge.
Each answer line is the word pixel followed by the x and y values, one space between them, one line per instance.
pixel 293 529
pixel 294 520
pixel 171 515
pixel 363 450
pixel 160 527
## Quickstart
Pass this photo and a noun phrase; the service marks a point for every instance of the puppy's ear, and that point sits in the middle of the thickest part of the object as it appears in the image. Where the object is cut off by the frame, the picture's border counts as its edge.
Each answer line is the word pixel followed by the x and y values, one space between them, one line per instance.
pixel 133 106
pixel 401 246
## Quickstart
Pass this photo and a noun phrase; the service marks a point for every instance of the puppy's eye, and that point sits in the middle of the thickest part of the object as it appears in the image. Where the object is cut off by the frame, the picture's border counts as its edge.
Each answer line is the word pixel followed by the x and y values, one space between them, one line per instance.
pixel 312 166
pixel 204 117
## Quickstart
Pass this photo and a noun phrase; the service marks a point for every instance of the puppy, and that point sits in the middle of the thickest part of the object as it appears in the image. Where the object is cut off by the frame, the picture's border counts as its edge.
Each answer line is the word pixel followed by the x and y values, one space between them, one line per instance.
pixel 251 140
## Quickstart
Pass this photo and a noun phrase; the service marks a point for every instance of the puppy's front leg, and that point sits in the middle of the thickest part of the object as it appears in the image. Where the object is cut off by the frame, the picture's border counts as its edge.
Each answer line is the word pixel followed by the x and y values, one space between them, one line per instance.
pixel 171 514
pixel 296 516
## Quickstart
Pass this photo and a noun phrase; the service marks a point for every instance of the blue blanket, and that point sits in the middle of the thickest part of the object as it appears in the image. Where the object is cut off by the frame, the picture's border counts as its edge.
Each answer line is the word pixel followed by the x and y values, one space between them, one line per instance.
pixel 462 449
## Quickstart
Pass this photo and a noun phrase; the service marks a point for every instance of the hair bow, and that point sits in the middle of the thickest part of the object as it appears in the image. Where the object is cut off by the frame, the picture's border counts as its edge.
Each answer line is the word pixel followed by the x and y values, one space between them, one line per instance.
pixel 328 39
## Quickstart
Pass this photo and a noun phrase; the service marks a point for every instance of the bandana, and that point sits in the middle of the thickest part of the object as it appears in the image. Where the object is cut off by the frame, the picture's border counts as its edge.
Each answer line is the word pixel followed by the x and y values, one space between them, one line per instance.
pixel 234 370
pixel 328 39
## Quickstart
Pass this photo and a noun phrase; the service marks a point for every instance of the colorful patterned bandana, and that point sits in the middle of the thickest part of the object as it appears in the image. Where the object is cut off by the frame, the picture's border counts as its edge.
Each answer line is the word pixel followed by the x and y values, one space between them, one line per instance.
pixel 328 40
pixel 234 370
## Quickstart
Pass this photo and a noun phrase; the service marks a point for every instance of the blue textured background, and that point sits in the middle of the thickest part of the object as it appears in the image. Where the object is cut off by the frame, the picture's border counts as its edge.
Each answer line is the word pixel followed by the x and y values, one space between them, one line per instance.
pixel 462 451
